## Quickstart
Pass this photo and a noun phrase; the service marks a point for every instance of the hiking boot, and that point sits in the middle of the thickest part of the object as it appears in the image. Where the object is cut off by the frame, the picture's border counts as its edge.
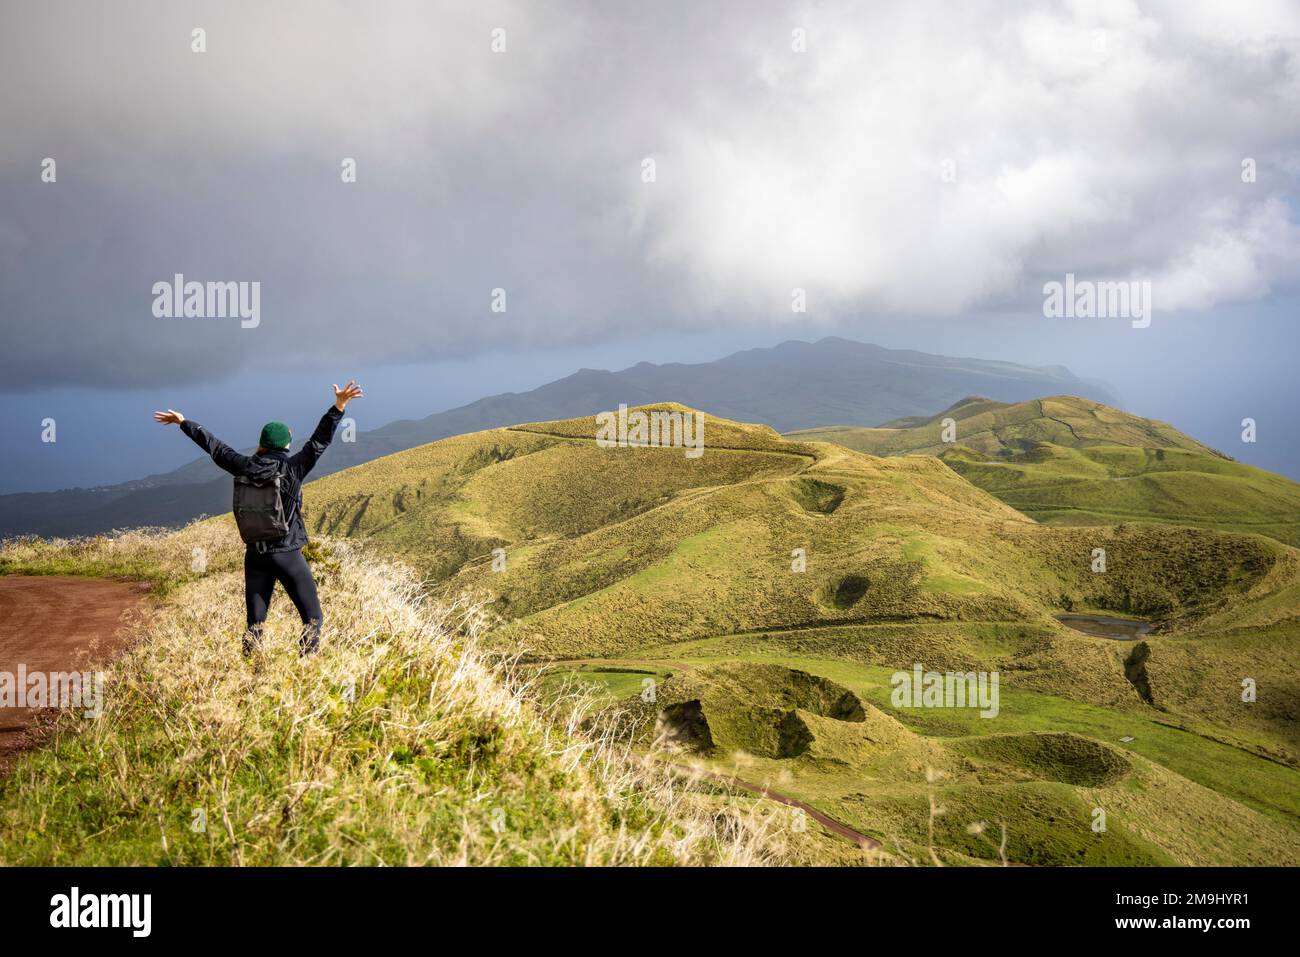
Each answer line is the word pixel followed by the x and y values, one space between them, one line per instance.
pixel 309 643
pixel 252 642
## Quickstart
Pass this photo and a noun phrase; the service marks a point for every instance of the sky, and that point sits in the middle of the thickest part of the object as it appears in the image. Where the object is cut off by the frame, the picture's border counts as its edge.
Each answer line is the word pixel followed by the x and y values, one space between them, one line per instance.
pixel 635 182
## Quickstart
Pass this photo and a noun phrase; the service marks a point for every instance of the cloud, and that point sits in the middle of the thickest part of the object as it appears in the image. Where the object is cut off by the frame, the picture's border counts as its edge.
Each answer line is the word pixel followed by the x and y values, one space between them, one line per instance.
pixel 918 159
pixel 936 164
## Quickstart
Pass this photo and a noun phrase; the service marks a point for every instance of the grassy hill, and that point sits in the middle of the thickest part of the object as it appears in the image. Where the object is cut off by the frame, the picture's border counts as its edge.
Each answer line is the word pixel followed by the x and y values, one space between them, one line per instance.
pixel 398 745
pixel 813 557
pixel 1070 461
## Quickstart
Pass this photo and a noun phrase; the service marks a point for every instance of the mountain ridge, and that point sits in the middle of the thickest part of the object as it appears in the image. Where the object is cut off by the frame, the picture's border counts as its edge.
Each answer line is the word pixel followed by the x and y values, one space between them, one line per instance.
pixel 795 384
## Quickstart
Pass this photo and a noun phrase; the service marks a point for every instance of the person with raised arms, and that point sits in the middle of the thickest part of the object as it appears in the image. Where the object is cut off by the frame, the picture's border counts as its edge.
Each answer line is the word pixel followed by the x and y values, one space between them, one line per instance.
pixel 268 513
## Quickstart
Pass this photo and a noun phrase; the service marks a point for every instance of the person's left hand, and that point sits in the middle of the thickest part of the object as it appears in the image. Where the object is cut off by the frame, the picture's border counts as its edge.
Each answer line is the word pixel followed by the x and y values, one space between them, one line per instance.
pixel 170 417
pixel 346 394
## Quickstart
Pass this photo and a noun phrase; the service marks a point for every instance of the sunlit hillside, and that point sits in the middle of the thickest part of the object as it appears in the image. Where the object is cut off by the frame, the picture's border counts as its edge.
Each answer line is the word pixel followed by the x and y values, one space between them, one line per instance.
pixel 817 558
pixel 1071 461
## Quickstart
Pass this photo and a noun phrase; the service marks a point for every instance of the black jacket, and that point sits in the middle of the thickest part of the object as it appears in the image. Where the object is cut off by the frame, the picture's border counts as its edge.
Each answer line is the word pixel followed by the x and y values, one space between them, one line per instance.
pixel 293 469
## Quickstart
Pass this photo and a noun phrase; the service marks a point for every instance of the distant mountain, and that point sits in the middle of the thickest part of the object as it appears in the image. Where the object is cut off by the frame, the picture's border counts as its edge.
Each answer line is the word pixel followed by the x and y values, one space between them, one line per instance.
pixel 1070 461
pixel 790 386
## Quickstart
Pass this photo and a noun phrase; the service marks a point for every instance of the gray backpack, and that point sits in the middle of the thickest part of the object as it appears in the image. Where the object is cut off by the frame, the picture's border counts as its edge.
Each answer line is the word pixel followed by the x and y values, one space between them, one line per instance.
pixel 259 510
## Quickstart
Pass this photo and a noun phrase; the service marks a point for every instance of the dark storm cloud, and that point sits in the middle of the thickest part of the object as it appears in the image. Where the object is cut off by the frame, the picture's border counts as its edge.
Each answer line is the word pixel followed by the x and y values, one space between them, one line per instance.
pixel 1093 138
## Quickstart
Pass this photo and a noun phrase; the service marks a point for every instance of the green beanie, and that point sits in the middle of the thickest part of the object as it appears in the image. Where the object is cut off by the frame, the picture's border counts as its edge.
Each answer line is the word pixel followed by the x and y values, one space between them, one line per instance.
pixel 275 435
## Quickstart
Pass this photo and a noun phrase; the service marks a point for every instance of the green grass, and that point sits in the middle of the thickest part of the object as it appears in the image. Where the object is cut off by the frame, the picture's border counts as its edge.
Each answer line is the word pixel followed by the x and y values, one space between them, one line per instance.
pixel 1212 778
pixel 1069 461
pixel 827 556
pixel 1265 785
pixel 608 685
pixel 999 429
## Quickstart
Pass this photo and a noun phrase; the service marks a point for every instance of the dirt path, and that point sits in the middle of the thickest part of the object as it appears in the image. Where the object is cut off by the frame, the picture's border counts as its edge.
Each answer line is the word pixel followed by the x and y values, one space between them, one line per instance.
pixel 647 664
pixel 720 448
pixel 57 623
pixel 825 820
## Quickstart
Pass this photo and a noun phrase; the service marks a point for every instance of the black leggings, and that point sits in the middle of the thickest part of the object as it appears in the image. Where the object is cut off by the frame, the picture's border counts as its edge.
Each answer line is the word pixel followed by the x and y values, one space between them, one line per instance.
pixel 263 570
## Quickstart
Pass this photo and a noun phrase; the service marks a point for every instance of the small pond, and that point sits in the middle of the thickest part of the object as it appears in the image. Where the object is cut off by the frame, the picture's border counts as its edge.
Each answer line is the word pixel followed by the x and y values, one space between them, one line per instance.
pixel 1104 626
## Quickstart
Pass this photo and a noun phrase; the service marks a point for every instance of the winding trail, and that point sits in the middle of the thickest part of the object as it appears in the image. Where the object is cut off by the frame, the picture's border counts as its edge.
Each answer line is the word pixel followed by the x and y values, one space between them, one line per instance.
pixel 640 664
pixel 825 820
pixel 57 623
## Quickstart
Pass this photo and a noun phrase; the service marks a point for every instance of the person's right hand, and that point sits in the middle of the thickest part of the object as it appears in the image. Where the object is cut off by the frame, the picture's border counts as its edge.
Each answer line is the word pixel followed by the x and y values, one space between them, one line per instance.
pixel 346 394
pixel 170 417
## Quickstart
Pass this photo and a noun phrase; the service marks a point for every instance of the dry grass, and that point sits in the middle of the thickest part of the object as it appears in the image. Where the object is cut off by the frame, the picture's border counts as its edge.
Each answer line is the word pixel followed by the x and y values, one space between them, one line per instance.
pixel 398 744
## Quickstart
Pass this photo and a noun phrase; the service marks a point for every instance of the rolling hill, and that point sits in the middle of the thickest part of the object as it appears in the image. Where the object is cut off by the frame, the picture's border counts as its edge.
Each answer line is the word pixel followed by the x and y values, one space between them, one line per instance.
pixel 1070 461
pixel 613 566
pixel 790 386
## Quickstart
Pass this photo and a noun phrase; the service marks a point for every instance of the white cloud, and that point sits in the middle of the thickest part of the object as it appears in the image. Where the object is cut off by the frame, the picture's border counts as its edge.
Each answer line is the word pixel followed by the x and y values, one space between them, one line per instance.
pixel 1085 138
